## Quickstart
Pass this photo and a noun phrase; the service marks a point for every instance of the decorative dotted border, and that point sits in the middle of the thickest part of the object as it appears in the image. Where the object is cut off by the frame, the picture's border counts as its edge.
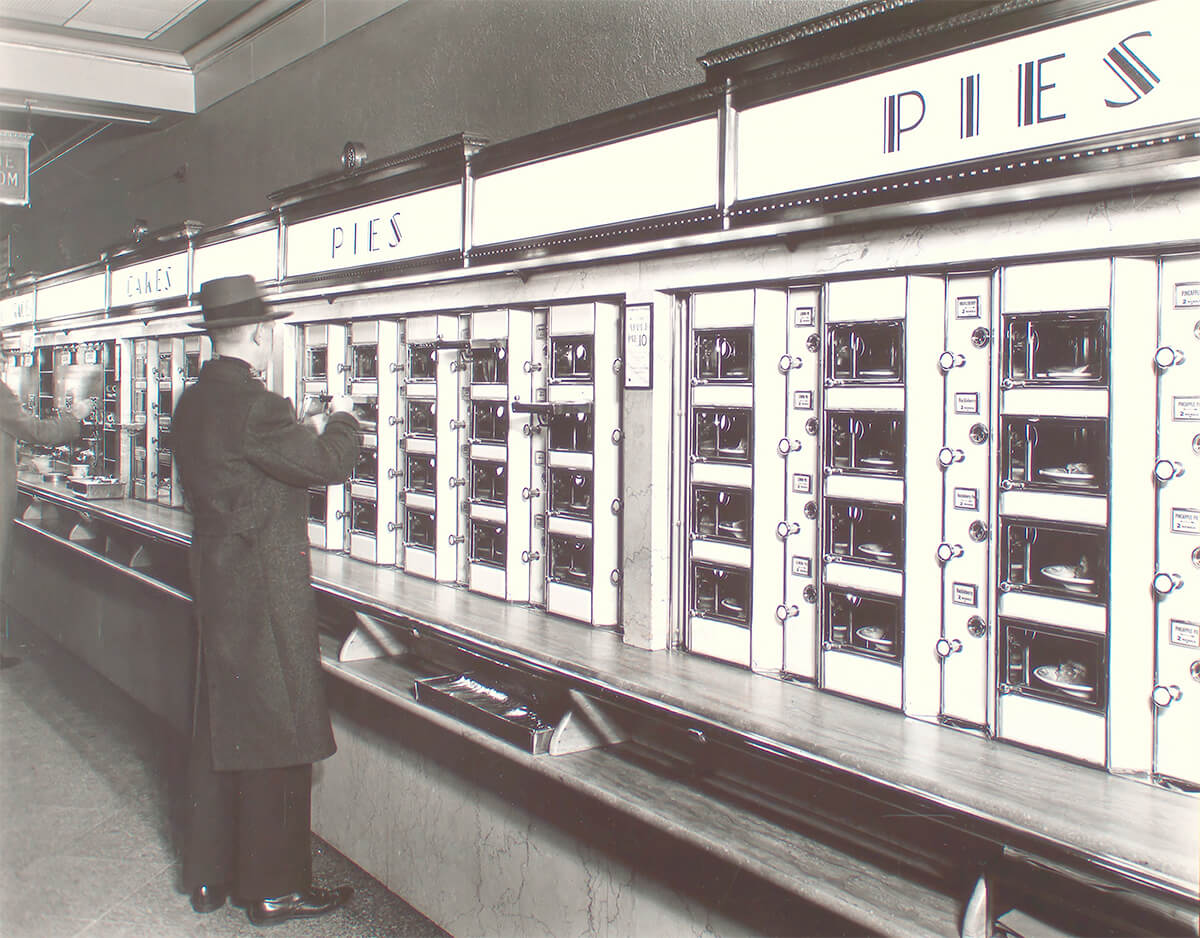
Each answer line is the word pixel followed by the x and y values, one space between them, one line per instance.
pixel 998 169
pixel 581 237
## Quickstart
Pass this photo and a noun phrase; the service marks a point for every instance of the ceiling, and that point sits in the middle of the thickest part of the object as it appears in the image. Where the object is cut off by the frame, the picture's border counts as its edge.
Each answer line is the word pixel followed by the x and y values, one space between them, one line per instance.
pixel 72 71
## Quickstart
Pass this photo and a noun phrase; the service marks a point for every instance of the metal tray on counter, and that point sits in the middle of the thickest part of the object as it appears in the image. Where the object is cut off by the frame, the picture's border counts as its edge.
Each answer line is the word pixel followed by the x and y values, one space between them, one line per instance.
pixel 503 712
pixel 97 487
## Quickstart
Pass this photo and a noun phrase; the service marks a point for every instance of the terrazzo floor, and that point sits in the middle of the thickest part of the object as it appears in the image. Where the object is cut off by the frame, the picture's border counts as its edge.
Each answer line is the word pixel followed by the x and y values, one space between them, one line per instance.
pixel 85 820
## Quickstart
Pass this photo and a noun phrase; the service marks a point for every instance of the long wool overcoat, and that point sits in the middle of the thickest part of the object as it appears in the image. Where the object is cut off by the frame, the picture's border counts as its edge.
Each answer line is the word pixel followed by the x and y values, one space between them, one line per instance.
pixel 246 465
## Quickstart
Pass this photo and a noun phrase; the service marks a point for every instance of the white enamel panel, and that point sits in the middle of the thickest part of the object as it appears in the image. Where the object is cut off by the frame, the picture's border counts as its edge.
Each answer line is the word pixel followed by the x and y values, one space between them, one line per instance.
pixel 1053 506
pixel 1086 617
pixel 719 640
pixel 1057 286
pixel 865 678
pixel 869 579
pixel 1055 728
pixel 865 488
pixel 1056 402
pixel 874 399
pixel 256 255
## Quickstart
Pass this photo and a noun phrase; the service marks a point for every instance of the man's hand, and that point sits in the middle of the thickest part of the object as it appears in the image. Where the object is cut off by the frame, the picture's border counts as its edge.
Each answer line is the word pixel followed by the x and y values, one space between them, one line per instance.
pixel 341 404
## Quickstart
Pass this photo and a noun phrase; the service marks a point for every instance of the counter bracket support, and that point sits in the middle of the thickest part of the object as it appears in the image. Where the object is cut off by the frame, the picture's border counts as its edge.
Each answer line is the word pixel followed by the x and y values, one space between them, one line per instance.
pixel 586 725
pixel 370 639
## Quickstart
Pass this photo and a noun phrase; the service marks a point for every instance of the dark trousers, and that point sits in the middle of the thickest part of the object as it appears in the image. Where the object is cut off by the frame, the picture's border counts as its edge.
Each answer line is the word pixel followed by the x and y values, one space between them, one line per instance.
pixel 247 831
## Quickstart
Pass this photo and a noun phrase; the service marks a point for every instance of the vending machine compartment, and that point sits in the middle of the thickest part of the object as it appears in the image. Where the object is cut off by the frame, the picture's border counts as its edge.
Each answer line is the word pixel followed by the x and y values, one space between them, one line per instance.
pixel 722 434
pixel 864 624
pixel 489 422
pixel 316 353
pixel 570 560
pixel 572 359
pixel 1053 664
pixel 489 482
pixel 571 430
pixel 1059 454
pixel 721 592
pixel 864 442
pixel 723 355
pixel 1056 350
pixel 722 513
pixel 364 361
pixel 488 363
pixel 420 529
pixel 363 515
pixel 864 533
pixel 366 412
pixel 488 543
pixel 865 353
pixel 318 501
pixel 1054 560
pixel 571 492
pixel 422 362
pixel 419 473
pixel 366 466
pixel 421 419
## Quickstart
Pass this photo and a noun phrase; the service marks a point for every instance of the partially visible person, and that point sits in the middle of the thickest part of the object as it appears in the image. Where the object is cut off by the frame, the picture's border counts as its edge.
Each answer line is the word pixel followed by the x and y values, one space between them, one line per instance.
pixel 16 423
pixel 261 719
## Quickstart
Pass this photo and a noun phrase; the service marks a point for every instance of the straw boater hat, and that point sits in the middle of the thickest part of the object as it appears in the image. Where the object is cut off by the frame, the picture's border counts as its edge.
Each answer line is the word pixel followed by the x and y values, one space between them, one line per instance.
pixel 233 301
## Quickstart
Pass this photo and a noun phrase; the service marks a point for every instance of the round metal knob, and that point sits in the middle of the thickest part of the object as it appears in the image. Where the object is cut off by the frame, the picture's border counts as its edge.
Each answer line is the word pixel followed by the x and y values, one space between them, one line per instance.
pixel 811 426
pixel 527 493
pixel 616 506
pixel 1165 357
pixel 947 552
pixel 813 342
pixel 789 362
pixel 1166 469
pixel 950 360
pixel 785 611
pixel 945 647
pixel 978 433
pixel 810 594
pixel 1164 695
pixel 395 421
pixel 786 446
pixel 530 367
pixel 981 336
pixel 455 539
pixel 948 457
pixel 617 436
pixel 977 531
pixel 455 481
pixel 393 474
pixel 976 627
pixel 457 424
pixel 527 556
pixel 810 510
pixel 392 526
pixel 1164 583
pixel 1194 671
pixel 784 528
pixel 339 514
pixel 614 577
pixel 618 365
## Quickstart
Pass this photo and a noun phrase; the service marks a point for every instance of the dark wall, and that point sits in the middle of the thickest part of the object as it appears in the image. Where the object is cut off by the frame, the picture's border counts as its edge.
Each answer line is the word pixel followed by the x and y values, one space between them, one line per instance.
pixel 429 69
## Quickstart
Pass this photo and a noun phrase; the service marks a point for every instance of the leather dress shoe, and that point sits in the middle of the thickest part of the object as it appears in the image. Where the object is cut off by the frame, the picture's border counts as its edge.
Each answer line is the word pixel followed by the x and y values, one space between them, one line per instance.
pixel 306 903
pixel 207 899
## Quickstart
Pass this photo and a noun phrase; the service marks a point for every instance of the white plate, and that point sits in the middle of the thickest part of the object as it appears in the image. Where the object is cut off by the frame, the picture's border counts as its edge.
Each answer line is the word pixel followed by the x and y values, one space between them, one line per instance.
pixel 876 550
pixel 877 461
pixel 1067 477
pixel 1063 370
pixel 1048 674
pixel 877 373
pixel 873 635
pixel 1065 574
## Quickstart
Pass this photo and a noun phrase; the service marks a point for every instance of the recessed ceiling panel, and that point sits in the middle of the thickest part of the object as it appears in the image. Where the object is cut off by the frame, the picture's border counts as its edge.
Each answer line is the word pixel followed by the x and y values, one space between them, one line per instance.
pixel 133 19
pixel 50 12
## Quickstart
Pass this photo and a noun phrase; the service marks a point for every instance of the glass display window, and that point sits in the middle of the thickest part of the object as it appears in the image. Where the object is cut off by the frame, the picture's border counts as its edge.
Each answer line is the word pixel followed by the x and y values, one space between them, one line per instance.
pixel 865 442
pixel 419 474
pixel 1053 664
pixel 422 362
pixel 571 492
pixel 422 417
pixel 723 355
pixel 866 352
pixel 489 364
pixel 1054 560
pixel 721 513
pixel 367 414
pixel 863 624
pixel 571 358
pixel 364 362
pixel 419 528
pixel 570 560
pixel 721 434
pixel 1063 454
pixel 571 432
pixel 489 421
pixel 721 592
pixel 864 533
pixel 489 482
pixel 318 501
pixel 363 515
pixel 366 466
pixel 488 544
pixel 1056 349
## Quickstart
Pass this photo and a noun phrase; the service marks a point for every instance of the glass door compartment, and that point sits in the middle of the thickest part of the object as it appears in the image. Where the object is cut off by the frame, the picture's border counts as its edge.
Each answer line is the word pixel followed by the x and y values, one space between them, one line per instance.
pixel 488 543
pixel 1056 454
pixel 723 355
pixel 721 592
pixel 1056 349
pixel 1053 664
pixel 489 482
pixel 864 533
pixel 489 364
pixel 864 624
pixel 571 492
pixel 489 422
pixel 419 473
pixel 721 434
pixel 861 442
pixel 1054 560
pixel 866 352
pixel 570 560
pixel 722 514
pixel 571 358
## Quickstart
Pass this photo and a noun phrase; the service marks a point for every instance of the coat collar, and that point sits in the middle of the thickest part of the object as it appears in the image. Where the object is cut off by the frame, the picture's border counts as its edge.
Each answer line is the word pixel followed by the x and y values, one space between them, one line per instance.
pixel 227 368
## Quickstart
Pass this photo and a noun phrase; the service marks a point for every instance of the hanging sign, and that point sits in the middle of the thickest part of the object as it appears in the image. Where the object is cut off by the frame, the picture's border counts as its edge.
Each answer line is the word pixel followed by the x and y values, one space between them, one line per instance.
pixel 1111 73
pixel 14 167
pixel 163 278
pixel 409 226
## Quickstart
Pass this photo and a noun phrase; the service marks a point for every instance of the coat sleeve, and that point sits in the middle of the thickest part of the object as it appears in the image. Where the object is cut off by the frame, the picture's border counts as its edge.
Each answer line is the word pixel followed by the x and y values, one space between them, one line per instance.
pixel 18 423
pixel 295 453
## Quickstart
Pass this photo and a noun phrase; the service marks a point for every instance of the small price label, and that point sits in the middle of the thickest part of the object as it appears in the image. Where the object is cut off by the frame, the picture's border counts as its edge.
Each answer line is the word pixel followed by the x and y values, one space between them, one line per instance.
pixel 1185 521
pixel 802 400
pixel 1186 295
pixel 803 316
pixel 801 566
pixel 966 307
pixel 802 484
pixel 964 594
pixel 1185 634
pixel 1185 408
pixel 966 403
pixel 966 499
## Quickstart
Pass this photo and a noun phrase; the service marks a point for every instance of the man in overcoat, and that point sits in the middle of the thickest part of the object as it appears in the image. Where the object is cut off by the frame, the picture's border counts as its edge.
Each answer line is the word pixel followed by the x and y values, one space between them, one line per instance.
pixel 246 464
